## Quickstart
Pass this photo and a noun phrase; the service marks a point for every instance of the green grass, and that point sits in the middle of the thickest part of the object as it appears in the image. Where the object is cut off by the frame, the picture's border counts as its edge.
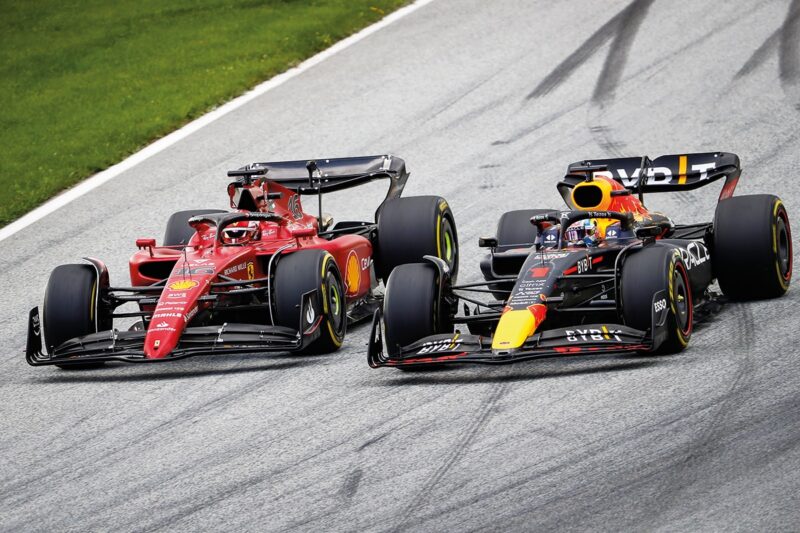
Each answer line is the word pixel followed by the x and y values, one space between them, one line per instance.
pixel 85 83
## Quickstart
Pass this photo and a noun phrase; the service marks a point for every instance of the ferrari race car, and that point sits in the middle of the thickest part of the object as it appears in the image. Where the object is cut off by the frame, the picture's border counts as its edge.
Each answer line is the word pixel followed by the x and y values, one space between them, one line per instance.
pixel 607 275
pixel 266 276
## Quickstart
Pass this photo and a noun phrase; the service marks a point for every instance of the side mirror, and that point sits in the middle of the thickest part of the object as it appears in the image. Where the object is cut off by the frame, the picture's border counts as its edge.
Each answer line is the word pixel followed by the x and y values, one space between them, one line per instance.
pixel 487 242
pixel 325 221
pixel 299 233
pixel 146 244
pixel 648 232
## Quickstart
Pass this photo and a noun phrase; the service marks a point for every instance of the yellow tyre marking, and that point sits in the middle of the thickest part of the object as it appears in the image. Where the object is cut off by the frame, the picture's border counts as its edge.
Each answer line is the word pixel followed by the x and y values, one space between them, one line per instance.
pixel 91 302
pixel 334 338
pixel 682 170
pixel 324 289
pixel 438 236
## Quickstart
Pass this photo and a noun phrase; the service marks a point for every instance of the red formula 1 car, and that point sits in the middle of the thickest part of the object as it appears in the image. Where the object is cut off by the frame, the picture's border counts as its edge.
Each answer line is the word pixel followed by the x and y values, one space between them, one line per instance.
pixel 267 276
pixel 608 275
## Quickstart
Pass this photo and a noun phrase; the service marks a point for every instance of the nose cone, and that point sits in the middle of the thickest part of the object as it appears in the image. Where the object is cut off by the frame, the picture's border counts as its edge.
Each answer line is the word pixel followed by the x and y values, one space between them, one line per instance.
pixel 515 326
pixel 175 307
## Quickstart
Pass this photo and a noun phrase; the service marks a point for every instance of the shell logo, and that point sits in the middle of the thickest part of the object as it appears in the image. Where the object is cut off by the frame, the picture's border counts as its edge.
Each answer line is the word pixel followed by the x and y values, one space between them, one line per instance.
pixel 352 274
pixel 183 285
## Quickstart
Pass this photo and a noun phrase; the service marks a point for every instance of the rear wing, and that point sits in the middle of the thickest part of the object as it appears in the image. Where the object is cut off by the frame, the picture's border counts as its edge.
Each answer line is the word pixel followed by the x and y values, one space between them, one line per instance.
pixel 662 174
pixel 317 176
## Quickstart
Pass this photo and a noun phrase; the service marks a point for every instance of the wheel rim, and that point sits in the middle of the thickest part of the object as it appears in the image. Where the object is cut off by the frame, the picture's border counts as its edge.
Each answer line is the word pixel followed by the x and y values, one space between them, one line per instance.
pixel 784 248
pixel 335 303
pixel 682 300
pixel 448 245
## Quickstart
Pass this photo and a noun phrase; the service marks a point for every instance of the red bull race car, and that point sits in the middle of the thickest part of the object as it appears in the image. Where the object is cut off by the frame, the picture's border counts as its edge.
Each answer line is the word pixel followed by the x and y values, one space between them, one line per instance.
pixel 606 275
pixel 265 276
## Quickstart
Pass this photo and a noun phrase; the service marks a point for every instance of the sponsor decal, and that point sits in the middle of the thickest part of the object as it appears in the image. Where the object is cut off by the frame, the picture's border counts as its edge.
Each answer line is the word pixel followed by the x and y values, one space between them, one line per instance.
pixel 187 271
pixel 177 295
pixel 695 254
pixel 611 233
pixel 310 314
pixel 657 175
pixel 161 325
pixel 442 204
pixel 660 305
pixel 156 344
pixel 584 265
pixel 251 270
pixel 167 315
pixel 593 334
pixel 36 325
pixel 238 268
pixel 550 237
pixel 188 316
pixel 553 255
pixel 183 285
pixel 444 345
pixel 352 276
pixel 294 207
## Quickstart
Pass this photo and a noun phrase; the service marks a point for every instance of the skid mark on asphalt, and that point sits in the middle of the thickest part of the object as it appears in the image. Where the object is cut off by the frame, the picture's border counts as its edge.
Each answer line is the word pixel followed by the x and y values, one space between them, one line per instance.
pixel 703 448
pixel 351 482
pixel 407 514
pixel 786 42
pixel 622 28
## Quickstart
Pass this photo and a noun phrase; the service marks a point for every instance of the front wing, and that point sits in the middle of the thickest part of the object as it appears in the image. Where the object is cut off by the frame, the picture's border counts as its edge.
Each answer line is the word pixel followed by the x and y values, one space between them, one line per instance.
pixel 454 348
pixel 128 346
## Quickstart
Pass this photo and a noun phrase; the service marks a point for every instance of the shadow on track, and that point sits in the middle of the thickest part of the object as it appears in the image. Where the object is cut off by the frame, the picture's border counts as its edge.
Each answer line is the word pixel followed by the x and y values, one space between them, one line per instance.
pixel 531 372
pixel 158 372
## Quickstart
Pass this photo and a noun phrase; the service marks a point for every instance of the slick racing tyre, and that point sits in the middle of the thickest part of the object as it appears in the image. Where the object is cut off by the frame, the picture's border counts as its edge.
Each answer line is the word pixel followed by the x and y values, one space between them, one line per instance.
pixel 752 252
pixel 411 306
pixel 70 307
pixel 308 270
pixel 652 269
pixel 410 228
pixel 514 229
pixel 178 229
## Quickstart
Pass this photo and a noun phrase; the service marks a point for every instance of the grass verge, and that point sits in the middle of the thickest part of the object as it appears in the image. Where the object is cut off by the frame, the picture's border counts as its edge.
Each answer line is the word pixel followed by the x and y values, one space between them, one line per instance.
pixel 85 83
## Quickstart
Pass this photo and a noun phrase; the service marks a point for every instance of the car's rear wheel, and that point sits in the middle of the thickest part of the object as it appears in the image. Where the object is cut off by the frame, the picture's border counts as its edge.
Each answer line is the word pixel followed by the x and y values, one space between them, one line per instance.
pixel 411 228
pixel 70 307
pixel 411 306
pixel 311 270
pixel 514 229
pixel 752 251
pixel 646 272
pixel 178 230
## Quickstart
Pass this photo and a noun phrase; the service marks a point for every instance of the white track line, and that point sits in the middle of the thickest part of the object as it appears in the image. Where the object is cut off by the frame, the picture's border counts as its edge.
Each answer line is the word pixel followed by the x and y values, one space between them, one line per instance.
pixel 165 142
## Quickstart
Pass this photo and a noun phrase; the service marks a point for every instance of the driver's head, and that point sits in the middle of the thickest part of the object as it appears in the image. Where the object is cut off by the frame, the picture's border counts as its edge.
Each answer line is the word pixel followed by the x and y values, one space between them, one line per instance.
pixel 240 232
pixel 582 233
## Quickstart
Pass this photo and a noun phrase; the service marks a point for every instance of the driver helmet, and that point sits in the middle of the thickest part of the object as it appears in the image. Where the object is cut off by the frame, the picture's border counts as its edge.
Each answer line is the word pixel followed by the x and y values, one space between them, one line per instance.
pixel 582 233
pixel 240 232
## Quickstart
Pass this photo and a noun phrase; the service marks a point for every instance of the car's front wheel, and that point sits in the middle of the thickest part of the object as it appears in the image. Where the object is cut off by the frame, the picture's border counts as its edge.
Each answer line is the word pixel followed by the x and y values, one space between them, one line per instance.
pixel 645 273
pixel 71 307
pixel 311 270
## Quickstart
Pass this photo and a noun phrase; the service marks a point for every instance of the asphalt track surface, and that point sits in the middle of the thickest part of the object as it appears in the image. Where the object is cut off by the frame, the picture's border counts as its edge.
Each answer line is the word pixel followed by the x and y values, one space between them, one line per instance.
pixel 487 102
